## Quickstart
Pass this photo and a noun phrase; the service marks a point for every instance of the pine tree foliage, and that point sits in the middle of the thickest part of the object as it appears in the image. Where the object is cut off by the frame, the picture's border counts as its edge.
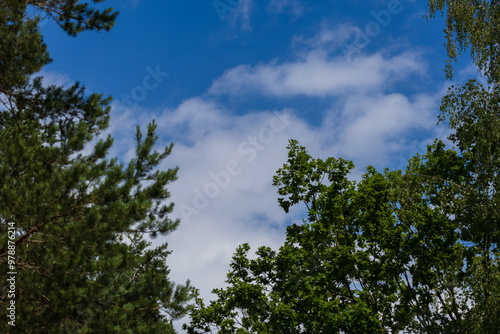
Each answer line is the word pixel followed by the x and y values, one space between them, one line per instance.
pixel 23 52
pixel 81 219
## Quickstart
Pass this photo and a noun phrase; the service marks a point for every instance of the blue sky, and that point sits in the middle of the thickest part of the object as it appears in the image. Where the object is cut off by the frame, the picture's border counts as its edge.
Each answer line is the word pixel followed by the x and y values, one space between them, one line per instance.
pixel 355 79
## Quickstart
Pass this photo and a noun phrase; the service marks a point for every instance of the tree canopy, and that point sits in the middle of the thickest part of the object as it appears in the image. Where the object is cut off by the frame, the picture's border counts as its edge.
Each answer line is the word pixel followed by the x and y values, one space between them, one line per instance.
pixel 388 254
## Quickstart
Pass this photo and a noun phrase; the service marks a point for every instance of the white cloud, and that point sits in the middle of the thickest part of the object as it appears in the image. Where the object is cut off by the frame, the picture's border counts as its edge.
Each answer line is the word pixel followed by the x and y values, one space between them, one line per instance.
pixel 55 78
pixel 318 75
pixel 328 38
pixel 193 120
pixel 376 128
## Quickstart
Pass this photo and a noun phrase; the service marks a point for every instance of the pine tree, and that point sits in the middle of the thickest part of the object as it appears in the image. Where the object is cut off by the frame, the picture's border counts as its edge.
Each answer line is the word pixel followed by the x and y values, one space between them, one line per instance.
pixel 74 227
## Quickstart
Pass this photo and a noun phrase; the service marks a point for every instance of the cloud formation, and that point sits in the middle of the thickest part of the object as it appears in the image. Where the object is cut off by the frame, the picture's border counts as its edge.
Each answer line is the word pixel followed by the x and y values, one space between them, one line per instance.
pixel 318 75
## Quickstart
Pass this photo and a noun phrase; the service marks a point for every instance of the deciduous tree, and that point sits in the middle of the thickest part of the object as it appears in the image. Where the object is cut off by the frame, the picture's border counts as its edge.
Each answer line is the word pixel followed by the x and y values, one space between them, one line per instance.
pixel 412 251
pixel 377 256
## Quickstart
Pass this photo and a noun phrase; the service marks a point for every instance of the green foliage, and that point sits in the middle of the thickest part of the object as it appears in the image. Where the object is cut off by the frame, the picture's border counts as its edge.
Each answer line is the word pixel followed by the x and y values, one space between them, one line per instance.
pixel 23 51
pixel 471 25
pixel 383 255
pixel 73 16
pixel 474 113
pixel 81 220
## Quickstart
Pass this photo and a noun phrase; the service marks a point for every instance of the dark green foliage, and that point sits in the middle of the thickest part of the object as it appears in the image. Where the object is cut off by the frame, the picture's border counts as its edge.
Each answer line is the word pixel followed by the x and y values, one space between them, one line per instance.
pixel 474 112
pixel 81 219
pixel 22 51
pixel 73 16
